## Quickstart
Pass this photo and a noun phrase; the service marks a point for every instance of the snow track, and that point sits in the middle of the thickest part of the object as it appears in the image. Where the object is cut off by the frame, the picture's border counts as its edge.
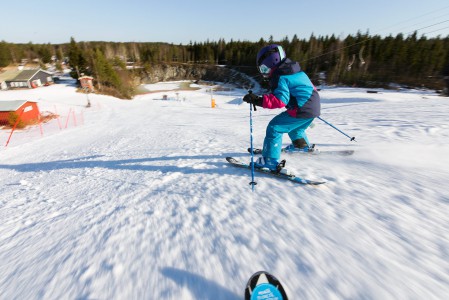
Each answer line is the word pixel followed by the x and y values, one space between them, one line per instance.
pixel 139 202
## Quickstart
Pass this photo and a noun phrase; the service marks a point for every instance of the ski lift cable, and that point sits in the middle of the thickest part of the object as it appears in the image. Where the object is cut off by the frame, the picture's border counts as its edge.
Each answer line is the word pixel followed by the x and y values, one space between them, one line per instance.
pixel 447 27
pixel 389 27
pixel 433 19
pixel 368 39
pixel 432 25
pixel 415 18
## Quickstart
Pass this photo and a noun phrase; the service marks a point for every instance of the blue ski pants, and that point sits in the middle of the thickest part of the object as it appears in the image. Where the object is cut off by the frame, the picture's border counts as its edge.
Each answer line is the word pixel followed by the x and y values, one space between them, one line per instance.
pixel 283 123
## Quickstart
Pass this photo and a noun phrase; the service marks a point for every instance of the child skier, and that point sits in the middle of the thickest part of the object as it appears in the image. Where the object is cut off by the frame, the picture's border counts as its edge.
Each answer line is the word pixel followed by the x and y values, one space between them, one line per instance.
pixel 290 88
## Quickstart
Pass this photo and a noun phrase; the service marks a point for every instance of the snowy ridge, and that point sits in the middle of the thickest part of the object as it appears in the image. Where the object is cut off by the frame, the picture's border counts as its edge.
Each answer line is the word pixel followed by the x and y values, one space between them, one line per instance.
pixel 140 203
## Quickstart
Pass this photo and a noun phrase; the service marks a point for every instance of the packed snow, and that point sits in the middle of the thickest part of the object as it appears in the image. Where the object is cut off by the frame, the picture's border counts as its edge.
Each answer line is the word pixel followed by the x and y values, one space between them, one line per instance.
pixel 135 200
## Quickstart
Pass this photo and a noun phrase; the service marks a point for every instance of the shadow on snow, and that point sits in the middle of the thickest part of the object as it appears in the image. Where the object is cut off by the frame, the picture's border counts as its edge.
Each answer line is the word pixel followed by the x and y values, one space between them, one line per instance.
pixel 137 164
pixel 200 287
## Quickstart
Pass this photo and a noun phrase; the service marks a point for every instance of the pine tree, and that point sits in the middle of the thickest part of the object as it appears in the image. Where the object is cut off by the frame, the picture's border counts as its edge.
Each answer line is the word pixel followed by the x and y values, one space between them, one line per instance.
pixel 5 57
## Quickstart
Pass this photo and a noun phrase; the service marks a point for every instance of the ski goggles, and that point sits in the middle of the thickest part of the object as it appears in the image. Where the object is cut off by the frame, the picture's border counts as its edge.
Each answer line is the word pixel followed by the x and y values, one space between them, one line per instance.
pixel 264 70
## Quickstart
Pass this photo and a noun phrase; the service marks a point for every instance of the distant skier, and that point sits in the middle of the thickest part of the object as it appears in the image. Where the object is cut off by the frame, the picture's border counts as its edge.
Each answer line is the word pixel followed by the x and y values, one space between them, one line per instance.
pixel 290 88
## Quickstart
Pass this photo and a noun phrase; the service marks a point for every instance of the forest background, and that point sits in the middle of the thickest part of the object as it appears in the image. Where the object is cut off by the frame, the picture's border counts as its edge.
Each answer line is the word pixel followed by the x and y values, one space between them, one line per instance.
pixel 357 60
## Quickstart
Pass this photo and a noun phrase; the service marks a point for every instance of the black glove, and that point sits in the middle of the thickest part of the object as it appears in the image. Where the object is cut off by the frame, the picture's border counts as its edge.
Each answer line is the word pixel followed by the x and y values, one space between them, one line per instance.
pixel 253 99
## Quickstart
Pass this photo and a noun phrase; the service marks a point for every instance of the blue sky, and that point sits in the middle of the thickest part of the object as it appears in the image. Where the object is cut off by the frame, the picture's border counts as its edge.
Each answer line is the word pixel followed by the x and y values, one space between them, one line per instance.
pixel 180 22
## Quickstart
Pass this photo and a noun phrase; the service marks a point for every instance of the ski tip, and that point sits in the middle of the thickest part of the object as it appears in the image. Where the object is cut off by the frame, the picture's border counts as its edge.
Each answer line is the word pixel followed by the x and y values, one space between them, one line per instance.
pixel 310 182
pixel 317 182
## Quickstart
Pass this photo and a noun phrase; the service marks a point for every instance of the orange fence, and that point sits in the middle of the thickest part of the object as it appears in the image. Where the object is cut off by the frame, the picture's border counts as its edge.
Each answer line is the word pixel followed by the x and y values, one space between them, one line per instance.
pixel 14 131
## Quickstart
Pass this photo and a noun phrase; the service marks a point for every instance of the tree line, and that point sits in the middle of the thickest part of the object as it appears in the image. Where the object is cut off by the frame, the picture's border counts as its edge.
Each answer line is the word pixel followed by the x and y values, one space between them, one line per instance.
pixel 360 59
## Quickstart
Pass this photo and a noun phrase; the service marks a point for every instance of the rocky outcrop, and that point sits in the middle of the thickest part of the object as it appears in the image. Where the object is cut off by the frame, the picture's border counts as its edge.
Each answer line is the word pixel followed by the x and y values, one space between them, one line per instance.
pixel 173 72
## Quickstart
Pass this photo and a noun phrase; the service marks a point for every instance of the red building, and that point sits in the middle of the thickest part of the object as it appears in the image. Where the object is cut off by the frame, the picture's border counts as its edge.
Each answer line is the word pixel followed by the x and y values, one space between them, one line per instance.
pixel 86 83
pixel 27 110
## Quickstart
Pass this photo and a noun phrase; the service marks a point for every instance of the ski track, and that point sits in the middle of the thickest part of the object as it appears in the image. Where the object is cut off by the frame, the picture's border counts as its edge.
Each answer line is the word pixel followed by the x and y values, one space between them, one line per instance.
pixel 139 202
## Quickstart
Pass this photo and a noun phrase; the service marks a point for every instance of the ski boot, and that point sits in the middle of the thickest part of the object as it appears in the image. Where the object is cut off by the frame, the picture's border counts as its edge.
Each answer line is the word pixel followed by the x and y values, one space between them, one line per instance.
pixel 300 145
pixel 271 165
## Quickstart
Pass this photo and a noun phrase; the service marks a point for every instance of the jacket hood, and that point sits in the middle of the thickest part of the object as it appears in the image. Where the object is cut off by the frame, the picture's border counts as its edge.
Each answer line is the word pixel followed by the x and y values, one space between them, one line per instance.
pixel 288 67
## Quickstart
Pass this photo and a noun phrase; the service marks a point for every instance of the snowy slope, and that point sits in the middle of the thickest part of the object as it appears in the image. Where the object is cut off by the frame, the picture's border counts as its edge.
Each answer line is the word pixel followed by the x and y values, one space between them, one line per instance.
pixel 139 202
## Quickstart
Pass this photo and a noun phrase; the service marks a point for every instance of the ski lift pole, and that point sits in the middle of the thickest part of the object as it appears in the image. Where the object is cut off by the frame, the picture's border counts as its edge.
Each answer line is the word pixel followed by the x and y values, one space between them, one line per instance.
pixel 252 183
pixel 351 138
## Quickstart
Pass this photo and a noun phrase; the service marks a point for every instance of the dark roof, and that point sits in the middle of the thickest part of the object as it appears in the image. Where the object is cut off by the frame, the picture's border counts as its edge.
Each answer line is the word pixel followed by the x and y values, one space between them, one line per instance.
pixel 26 75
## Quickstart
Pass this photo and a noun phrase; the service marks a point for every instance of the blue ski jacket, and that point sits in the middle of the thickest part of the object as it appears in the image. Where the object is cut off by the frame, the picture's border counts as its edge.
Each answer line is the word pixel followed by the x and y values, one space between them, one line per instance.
pixel 291 88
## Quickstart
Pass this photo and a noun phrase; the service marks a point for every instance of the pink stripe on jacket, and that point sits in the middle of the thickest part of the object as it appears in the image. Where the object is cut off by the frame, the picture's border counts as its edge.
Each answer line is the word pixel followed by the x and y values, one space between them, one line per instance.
pixel 270 101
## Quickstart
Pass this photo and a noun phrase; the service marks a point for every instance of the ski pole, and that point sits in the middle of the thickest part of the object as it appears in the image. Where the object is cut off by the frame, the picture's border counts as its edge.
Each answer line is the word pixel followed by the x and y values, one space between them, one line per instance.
pixel 252 183
pixel 351 138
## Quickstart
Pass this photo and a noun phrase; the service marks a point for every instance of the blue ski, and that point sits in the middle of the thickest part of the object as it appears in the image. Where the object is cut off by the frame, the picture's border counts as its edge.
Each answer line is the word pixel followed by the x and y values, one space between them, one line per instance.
pixel 309 151
pixel 291 177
